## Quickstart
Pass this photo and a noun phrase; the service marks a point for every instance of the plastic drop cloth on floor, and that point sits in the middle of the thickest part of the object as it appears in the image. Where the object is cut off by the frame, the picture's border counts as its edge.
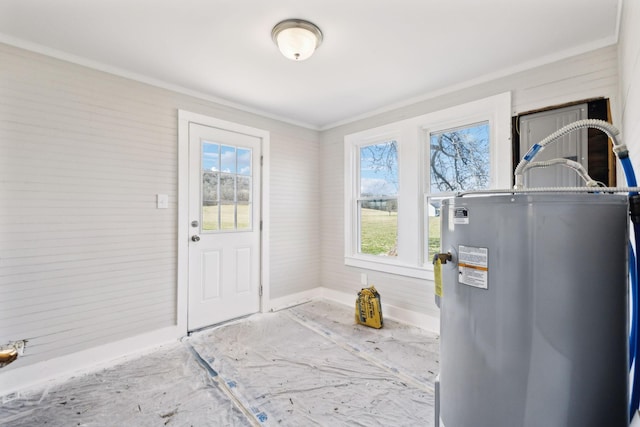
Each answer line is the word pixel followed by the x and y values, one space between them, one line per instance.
pixel 167 387
pixel 304 366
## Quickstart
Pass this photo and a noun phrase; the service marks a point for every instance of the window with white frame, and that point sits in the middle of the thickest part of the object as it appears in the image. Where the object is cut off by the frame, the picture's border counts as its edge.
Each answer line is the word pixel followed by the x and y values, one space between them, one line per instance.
pixel 396 175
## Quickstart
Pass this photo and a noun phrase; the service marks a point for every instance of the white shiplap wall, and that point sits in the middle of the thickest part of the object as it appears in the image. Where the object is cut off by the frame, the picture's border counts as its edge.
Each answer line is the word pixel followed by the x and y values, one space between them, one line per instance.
pixel 590 75
pixel 85 257
pixel 629 51
pixel 295 207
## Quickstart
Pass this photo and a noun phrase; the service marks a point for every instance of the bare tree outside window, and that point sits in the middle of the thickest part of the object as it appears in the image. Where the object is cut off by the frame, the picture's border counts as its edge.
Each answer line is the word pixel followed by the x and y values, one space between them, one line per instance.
pixel 459 159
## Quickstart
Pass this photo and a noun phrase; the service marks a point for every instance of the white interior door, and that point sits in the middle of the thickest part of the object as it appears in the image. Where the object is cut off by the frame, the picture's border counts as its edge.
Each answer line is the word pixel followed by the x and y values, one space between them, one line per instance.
pixel 573 146
pixel 224 224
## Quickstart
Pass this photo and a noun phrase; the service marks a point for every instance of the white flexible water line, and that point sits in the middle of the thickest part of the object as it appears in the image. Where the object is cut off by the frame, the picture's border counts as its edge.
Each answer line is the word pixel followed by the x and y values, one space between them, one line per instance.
pixel 605 127
pixel 564 162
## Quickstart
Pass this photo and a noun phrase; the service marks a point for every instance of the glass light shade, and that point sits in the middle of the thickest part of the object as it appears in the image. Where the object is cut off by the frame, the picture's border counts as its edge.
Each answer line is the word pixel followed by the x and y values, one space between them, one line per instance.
pixel 296 39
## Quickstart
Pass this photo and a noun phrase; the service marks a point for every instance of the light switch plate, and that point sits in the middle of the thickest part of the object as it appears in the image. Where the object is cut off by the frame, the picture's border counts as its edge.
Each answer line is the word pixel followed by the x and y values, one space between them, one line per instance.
pixel 162 201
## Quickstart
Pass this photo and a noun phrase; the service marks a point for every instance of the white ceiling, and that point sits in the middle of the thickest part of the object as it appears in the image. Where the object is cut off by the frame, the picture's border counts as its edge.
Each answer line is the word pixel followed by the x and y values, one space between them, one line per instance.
pixel 376 53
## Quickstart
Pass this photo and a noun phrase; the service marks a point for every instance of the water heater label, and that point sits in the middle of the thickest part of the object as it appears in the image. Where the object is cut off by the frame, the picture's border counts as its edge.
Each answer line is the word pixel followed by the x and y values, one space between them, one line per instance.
pixel 473 266
pixel 460 216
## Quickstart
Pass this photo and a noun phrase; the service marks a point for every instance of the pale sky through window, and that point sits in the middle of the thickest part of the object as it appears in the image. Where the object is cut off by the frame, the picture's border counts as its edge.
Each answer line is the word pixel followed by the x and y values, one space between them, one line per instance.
pixel 225 158
pixel 379 169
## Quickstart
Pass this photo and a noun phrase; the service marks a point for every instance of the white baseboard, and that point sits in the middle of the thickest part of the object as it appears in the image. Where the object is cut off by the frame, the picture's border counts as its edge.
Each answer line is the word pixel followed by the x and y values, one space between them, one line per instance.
pixel 423 321
pixel 293 299
pixel 50 372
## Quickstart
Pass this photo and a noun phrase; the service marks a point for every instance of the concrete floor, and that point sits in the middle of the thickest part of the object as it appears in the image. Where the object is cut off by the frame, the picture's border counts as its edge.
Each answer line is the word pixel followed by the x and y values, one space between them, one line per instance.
pixel 307 365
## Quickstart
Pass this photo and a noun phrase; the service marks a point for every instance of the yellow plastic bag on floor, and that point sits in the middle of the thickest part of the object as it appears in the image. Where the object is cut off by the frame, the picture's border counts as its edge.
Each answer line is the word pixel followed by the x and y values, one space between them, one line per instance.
pixel 368 308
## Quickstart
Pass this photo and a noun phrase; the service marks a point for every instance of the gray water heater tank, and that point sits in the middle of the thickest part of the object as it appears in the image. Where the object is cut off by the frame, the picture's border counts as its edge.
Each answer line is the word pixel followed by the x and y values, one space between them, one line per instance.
pixel 534 311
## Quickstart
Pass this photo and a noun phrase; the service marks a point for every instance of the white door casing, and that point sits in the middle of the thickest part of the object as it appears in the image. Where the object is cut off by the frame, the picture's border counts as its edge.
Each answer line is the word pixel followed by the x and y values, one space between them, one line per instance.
pixel 224 225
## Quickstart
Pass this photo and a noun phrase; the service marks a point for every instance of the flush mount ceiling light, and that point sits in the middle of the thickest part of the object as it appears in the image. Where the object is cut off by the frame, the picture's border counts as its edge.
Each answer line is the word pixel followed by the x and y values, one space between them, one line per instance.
pixel 296 39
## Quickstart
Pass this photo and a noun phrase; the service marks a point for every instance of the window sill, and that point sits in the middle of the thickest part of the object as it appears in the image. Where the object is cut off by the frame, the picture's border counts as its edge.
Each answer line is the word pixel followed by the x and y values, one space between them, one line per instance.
pixel 389 266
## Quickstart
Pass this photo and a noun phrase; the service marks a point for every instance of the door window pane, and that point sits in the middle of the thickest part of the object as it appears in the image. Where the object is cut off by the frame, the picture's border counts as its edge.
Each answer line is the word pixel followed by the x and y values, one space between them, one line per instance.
pixel 244 188
pixel 210 157
pixel 227 215
pixel 243 206
pixel 210 200
pixel 228 159
pixel 226 187
pixel 244 161
pixel 210 188
pixel 210 185
pixel 227 201
pixel 377 203
pixel 243 213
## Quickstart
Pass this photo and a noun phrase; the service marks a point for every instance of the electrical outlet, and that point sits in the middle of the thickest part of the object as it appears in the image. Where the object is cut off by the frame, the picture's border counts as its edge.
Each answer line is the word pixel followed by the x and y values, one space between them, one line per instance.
pixel 363 278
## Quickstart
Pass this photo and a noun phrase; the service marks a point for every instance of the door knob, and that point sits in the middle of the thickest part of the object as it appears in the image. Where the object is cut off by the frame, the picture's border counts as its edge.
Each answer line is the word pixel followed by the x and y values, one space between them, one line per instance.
pixel 195 238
